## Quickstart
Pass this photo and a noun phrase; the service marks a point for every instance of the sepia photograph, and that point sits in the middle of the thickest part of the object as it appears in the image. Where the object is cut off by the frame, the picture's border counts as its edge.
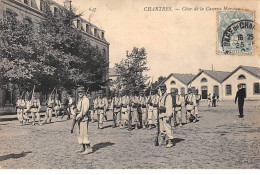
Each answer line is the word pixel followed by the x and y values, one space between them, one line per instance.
pixel 129 84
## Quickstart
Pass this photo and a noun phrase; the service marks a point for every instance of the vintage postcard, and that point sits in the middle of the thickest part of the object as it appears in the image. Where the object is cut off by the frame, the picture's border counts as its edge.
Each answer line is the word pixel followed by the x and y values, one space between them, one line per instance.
pixel 129 84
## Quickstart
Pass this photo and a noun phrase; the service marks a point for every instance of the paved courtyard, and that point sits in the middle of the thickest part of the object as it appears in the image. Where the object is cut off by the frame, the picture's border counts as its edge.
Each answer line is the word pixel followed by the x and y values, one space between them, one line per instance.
pixel 219 140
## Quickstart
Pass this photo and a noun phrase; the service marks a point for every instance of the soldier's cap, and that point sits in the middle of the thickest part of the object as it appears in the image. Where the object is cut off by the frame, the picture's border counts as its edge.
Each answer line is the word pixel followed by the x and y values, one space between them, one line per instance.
pixel 174 90
pixel 163 86
pixel 81 89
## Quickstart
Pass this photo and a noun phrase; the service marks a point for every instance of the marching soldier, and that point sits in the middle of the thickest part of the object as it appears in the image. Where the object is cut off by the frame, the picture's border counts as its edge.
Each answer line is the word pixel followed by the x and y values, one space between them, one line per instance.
pixel 152 108
pixel 72 111
pixel 57 106
pixel 125 101
pixel 198 98
pixel 190 103
pixel 116 107
pixel 100 107
pixel 177 101
pixel 83 122
pixel 134 102
pixel 49 110
pixel 143 105
pixel 35 107
pixel 27 107
pixel 20 105
pixel 165 114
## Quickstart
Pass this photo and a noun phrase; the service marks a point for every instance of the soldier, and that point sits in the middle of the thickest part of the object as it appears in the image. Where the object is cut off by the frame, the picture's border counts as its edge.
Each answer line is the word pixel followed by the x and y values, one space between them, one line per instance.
pixel 125 101
pixel 49 110
pixel 100 106
pixel 35 107
pixel 165 114
pixel 57 106
pixel 116 107
pixel 143 106
pixel 152 108
pixel 240 96
pixel 190 103
pixel 20 106
pixel 91 107
pixel 72 110
pixel 214 100
pixel 105 107
pixel 177 101
pixel 209 99
pixel 198 98
pixel 65 106
pixel 27 107
pixel 83 122
pixel 134 102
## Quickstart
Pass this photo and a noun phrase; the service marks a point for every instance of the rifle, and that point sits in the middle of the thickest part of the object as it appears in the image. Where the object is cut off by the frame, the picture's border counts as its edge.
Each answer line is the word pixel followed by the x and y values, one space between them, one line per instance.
pixel 156 143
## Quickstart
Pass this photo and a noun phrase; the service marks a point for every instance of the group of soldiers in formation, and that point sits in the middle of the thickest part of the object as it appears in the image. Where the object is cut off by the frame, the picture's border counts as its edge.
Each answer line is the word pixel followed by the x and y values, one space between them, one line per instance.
pixel 130 109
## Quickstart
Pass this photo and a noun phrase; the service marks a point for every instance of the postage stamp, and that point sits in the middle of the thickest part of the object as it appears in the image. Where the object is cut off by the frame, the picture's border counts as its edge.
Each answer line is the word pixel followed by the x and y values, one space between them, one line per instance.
pixel 235 32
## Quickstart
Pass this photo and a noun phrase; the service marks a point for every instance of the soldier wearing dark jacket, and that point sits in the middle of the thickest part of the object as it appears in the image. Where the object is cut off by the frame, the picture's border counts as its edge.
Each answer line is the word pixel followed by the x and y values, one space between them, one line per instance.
pixel 240 96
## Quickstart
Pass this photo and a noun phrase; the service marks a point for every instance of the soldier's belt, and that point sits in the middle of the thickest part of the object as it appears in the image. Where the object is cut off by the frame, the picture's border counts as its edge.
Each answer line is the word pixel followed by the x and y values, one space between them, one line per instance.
pixel 176 106
pixel 143 106
pixel 155 105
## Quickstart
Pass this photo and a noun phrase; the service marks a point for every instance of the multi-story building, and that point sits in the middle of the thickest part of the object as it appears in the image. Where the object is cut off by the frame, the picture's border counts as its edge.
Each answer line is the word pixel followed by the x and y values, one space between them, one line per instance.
pixel 31 12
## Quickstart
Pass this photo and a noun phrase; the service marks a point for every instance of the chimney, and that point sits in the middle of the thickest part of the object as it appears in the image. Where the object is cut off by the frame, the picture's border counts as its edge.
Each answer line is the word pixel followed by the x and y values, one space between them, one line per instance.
pixel 67 4
pixel 199 70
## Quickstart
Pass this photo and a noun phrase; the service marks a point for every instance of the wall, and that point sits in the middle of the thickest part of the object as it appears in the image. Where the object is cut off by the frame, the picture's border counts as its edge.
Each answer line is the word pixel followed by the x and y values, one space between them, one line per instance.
pixel 249 81
pixel 210 84
pixel 178 84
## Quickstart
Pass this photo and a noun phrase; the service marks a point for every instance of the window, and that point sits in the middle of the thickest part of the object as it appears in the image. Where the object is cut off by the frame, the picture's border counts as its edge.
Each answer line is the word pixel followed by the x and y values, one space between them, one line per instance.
pixel 78 24
pixel 87 28
pixel 256 88
pixel 241 77
pixel 182 91
pixel 203 80
pixel 173 82
pixel 28 22
pixel 55 11
pixel 193 89
pixel 102 34
pixel 228 89
pixel 26 2
pixel 95 32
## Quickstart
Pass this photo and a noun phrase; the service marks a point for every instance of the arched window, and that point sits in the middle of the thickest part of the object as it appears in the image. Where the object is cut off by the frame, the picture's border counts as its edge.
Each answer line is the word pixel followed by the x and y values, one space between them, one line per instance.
pixel 173 82
pixel 203 80
pixel 241 77
pixel 28 22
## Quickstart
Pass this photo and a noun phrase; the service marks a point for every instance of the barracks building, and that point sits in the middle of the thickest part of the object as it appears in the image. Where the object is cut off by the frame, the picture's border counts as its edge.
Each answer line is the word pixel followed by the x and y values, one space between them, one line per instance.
pixel 223 84
pixel 31 12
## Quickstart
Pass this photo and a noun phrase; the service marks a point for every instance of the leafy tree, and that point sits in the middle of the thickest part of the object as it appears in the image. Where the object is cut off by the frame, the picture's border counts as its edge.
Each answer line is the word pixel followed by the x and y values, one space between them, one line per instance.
pixel 132 69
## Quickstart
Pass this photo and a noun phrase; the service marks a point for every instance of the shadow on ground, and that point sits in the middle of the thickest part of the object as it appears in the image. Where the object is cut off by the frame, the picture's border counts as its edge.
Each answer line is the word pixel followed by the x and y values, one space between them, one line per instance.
pixel 14 156
pixel 101 145
pixel 177 140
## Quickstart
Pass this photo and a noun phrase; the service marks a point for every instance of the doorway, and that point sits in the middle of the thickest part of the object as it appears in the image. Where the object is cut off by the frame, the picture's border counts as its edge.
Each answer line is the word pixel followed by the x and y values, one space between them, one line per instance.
pixel 204 92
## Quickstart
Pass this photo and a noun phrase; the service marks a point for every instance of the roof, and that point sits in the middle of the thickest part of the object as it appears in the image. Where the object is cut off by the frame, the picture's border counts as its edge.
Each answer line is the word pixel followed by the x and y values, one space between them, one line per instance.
pixel 112 71
pixel 255 71
pixel 184 78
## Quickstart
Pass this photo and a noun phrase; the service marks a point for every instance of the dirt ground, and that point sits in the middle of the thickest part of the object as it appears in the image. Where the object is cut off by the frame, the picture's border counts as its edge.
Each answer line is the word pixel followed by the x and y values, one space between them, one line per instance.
pixel 219 140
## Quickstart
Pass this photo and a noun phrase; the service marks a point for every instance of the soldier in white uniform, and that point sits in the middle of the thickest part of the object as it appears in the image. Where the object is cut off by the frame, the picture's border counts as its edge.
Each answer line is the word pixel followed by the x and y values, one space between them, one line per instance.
pixel 152 109
pixel 198 98
pixel 134 102
pixel 116 107
pixel 125 101
pixel 190 102
pixel 100 107
pixel 57 106
pixel 21 106
pixel 27 107
pixel 165 114
pixel 35 107
pixel 143 105
pixel 83 121
pixel 209 99
pixel 177 107
pixel 49 110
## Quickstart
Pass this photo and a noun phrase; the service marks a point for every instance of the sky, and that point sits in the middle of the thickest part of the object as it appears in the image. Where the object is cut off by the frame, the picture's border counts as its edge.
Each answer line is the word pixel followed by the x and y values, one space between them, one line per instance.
pixel 178 41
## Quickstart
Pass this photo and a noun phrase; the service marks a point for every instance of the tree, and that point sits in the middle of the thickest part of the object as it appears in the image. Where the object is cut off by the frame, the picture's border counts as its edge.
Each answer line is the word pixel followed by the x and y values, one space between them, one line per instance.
pixel 132 69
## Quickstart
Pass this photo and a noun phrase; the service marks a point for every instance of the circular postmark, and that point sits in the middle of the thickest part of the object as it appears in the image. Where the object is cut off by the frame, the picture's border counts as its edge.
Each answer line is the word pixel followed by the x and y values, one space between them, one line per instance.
pixel 238 38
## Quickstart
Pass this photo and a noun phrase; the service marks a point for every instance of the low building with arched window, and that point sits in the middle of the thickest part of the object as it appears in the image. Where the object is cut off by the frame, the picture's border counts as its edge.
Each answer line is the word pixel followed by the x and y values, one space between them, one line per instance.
pixel 243 75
